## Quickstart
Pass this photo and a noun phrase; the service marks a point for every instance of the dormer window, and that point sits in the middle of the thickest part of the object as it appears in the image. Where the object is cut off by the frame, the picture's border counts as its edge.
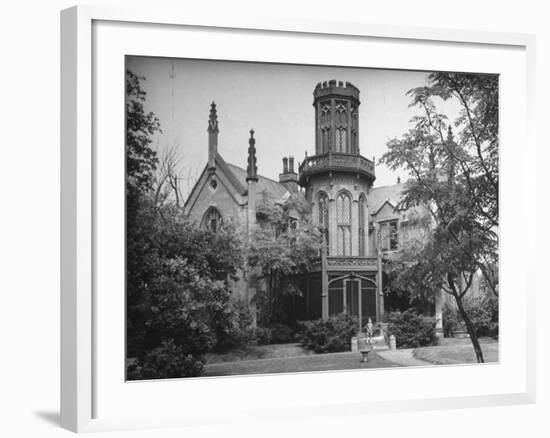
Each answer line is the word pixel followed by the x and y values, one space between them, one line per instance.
pixel 388 236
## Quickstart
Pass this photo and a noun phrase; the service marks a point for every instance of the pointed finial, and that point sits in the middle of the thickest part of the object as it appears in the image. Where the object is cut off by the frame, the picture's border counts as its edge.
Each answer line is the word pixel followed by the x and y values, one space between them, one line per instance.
pixel 252 168
pixel 213 119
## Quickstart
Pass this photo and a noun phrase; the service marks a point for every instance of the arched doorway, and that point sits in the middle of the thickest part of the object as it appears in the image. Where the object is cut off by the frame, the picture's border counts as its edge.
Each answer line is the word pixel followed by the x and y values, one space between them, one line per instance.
pixel 354 295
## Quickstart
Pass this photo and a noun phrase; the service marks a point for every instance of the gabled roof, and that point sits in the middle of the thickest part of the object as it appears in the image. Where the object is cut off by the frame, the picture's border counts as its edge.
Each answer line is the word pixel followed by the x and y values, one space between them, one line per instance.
pixel 378 196
pixel 237 177
pixel 239 183
pixel 272 188
pixel 223 168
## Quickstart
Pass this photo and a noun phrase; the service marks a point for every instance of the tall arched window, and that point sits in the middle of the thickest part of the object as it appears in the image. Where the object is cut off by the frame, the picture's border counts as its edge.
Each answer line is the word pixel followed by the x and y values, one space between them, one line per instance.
pixel 212 220
pixel 341 139
pixel 325 138
pixel 362 225
pixel 343 220
pixel 322 203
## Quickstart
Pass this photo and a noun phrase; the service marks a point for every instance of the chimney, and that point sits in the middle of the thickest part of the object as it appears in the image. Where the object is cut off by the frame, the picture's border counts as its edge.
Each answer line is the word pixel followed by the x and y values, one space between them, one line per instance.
pixel 289 178
pixel 212 137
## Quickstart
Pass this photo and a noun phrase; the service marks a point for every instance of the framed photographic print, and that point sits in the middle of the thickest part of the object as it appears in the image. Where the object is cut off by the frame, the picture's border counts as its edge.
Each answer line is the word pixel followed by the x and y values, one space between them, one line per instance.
pixel 296 218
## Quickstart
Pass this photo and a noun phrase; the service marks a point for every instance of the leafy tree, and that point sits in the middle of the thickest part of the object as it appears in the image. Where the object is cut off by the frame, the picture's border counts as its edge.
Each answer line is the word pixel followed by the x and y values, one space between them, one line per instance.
pixel 456 183
pixel 285 245
pixel 141 162
pixel 474 158
pixel 179 303
pixel 179 286
pixel 141 159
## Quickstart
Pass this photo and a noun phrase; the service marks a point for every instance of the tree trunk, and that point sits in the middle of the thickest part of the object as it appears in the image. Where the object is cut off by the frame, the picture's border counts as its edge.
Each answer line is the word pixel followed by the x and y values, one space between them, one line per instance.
pixel 469 326
pixel 471 329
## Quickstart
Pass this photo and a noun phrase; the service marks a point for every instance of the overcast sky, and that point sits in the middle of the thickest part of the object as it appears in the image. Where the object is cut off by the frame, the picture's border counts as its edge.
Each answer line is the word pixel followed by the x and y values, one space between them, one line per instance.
pixel 273 99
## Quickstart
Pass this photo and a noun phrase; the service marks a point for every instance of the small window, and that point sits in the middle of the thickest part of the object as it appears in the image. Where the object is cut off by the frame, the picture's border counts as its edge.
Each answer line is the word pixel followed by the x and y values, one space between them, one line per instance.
pixel 388 236
pixel 212 220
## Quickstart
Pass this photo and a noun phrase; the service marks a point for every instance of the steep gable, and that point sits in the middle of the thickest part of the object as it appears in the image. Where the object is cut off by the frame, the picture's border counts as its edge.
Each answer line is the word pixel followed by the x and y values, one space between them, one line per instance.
pixel 230 194
pixel 379 196
pixel 216 188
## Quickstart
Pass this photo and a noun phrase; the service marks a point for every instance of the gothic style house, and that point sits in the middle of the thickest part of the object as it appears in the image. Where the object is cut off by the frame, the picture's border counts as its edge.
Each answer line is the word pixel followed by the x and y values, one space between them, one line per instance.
pixel 359 222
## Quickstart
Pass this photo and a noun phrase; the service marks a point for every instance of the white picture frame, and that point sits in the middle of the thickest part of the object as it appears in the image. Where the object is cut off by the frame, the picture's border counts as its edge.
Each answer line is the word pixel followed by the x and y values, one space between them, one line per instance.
pixel 81 365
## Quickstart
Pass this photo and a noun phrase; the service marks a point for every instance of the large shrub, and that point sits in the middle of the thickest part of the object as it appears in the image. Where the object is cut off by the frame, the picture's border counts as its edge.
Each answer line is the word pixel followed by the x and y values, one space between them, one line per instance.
pixel 263 335
pixel 176 290
pixel 281 334
pixel 164 362
pixel 482 311
pixel 329 336
pixel 411 329
pixel 274 334
pixel 234 329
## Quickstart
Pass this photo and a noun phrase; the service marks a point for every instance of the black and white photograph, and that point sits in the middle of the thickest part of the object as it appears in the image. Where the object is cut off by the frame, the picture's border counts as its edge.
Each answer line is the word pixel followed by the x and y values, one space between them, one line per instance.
pixel 287 218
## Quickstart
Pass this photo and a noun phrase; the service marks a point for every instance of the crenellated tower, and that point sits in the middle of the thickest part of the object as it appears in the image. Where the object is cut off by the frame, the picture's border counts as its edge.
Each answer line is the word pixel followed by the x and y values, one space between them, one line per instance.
pixel 336 117
pixel 337 181
pixel 337 178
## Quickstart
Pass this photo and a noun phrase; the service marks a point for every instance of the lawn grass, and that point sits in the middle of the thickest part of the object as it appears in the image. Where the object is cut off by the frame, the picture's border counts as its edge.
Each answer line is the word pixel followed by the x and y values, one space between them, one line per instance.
pixel 310 362
pixel 252 352
pixel 457 351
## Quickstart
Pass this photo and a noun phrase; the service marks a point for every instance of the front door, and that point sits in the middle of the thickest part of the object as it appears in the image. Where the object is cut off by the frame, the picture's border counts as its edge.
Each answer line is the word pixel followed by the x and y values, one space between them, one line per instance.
pixel 352 297
pixel 360 300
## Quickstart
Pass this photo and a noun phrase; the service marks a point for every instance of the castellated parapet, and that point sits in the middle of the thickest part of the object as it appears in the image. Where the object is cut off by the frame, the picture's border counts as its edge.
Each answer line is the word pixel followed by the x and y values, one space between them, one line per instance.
pixel 336 88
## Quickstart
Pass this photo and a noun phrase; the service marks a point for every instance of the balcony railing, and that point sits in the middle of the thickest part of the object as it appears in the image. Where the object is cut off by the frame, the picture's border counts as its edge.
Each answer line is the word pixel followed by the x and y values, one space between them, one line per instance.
pixel 336 162
pixel 348 263
pixel 352 262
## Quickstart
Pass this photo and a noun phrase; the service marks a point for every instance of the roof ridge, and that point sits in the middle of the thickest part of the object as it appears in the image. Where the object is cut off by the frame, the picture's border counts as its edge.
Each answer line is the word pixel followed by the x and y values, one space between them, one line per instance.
pixel 389 185
pixel 235 181
pixel 259 175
